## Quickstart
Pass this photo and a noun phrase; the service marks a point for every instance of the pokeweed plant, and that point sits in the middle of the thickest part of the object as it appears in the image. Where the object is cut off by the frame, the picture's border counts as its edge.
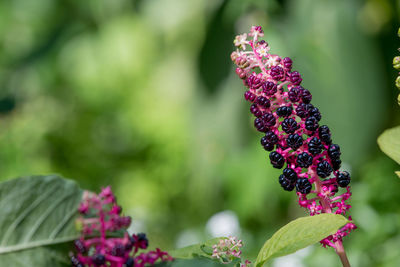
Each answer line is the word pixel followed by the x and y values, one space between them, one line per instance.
pixel 293 134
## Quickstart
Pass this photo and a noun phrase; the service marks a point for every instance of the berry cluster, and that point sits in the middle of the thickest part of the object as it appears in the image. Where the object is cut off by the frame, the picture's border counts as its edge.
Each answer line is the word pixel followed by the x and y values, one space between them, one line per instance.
pixel 292 130
pixel 101 218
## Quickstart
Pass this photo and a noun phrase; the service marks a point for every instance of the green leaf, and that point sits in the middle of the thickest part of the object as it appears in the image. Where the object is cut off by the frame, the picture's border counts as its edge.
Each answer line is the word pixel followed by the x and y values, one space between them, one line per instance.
pixel 389 143
pixel 299 234
pixel 199 262
pixel 195 251
pixel 37 222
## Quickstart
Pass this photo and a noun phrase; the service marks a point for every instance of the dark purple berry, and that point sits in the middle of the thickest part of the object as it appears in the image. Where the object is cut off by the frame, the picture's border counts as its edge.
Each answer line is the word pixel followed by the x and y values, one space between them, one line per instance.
pixel 284 111
pixel 269 88
pixel 249 96
pixel 294 141
pixel 304 160
pixel 343 179
pixel 80 247
pixel 277 73
pixel 324 169
pixel 118 250
pixel 295 93
pixel 315 113
pixel 277 160
pixel 75 262
pixel 303 186
pixel 286 183
pixel 143 241
pixel 254 82
pixel 130 262
pixel 289 125
pixel 304 110
pixel 98 259
pixel 315 146
pixel 255 110
pixel 336 164
pixel 268 119
pixel 287 63
pixel 306 96
pixel 290 174
pixel 311 124
pixel 295 78
pixel 259 124
pixel 325 134
pixel 269 140
pixel 263 102
pixel 334 151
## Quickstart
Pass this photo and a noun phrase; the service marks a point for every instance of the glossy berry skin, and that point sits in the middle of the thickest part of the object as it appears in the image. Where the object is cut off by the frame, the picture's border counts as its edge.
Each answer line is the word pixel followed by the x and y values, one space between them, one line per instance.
pixel 311 123
pixel 289 125
pixel 343 179
pixel 315 113
pixel 304 110
pixel 325 134
pixel 315 146
pixel 75 262
pixel 277 73
pixel 249 96
pixel 290 174
pixel 336 164
pixel 324 169
pixel 303 186
pixel 263 102
pixel 269 88
pixel 334 151
pixel 284 111
pixel 286 184
pixel 268 119
pixel 255 110
pixel 259 124
pixel 277 160
pixel 294 94
pixel 294 141
pixel 304 160
pixel 287 63
pixel 98 259
pixel 269 140
pixel 295 78
pixel 306 96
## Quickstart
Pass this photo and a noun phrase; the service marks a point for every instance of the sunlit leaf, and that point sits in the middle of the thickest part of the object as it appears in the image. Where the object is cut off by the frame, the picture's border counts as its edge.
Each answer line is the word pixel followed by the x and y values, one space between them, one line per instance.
pixel 389 143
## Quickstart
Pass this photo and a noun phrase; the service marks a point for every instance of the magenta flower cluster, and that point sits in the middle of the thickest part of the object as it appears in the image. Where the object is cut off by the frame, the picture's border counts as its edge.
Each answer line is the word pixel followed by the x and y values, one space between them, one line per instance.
pixel 292 130
pixel 105 241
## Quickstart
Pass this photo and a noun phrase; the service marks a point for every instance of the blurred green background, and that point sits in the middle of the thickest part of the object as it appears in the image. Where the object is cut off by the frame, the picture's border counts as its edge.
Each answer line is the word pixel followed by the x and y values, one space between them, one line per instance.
pixel 142 95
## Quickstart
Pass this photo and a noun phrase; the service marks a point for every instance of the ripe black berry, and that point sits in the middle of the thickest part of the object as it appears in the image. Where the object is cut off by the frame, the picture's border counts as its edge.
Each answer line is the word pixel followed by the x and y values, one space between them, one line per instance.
pixel 324 169
pixel 343 179
pixel 143 241
pixel 289 125
pixel 304 160
pixel 130 262
pixel 98 259
pixel 269 119
pixel 263 102
pixel 303 186
pixel 269 140
pixel 269 88
pixel 311 123
pixel 334 151
pixel 259 124
pixel 287 63
pixel 290 174
pixel 255 110
pixel 80 247
pixel 249 96
pixel 284 111
pixel 295 93
pixel 286 183
pixel 325 134
pixel 295 77
pixel 306 96
pixel 315 113
pixel 294 141
pixel 336 164
pixel 277 160
pixel 304 110
pixel 315 146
